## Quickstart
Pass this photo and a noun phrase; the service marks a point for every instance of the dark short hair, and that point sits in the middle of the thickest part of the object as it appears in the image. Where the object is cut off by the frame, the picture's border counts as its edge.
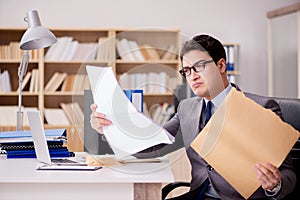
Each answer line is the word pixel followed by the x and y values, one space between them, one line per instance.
pixel 205 43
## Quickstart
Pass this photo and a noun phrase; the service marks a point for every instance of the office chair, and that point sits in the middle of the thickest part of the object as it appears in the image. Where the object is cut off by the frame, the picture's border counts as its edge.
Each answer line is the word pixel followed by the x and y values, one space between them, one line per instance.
pixel 291 113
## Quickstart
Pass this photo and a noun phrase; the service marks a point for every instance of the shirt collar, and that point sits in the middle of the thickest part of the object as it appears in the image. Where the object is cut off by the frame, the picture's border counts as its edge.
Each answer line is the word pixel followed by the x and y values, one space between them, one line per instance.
pixel 217 101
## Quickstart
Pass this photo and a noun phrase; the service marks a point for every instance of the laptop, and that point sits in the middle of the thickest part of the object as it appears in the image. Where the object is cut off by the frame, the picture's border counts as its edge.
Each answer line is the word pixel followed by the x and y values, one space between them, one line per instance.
pixel 42 151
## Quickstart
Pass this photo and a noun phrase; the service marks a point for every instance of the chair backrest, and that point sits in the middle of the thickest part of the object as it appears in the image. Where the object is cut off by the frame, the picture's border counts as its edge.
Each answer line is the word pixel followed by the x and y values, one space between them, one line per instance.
pixel 290 109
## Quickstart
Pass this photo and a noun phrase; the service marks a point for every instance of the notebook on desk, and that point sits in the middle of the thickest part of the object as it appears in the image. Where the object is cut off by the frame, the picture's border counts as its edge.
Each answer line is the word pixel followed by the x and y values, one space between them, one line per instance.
pixel 42 151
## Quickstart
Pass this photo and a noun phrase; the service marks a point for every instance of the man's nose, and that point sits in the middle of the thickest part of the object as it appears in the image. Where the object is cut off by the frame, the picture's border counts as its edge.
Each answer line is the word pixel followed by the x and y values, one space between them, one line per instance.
pixel 194 74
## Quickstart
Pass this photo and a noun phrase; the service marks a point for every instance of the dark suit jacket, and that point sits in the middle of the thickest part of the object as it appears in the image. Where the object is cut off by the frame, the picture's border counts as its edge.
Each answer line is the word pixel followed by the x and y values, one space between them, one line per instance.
pixel 186 121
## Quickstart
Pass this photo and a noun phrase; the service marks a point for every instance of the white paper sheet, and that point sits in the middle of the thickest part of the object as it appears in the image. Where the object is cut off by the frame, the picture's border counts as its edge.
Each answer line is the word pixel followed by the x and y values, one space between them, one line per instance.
pixel 131 131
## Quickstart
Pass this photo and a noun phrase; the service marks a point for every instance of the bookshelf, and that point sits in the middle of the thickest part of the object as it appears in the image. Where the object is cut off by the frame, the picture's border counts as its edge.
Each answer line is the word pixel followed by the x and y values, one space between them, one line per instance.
pixel 101 45
pixel 232 61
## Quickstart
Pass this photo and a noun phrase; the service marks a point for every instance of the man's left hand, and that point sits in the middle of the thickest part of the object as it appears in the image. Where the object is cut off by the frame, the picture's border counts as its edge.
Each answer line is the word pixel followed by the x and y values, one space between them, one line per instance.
pixel 268 175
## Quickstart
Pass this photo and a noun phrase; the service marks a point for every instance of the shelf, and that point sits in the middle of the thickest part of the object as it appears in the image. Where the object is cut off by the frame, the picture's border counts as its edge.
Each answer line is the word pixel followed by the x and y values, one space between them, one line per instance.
pixel 76 62
pixel 231 44
pixel 17 61
pixel 24 93
pixel 175 62
pixel 67 93
pixel 233 72
pixel 158 94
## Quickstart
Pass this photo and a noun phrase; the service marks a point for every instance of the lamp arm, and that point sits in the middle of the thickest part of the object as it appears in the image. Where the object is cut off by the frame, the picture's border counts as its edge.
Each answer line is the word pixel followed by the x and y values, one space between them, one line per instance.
pixel 21 72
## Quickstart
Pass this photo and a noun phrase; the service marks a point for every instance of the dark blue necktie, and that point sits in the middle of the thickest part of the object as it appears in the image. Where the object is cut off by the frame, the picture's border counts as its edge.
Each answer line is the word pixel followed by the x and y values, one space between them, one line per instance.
pixel 208 111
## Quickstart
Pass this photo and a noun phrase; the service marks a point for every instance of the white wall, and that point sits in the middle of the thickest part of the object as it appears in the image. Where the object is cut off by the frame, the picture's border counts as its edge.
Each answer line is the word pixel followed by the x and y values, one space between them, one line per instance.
pixel 231 21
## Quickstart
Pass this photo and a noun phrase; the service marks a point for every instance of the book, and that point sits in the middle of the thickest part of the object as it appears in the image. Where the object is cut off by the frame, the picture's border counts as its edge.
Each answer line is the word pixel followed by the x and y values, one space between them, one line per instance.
pixel 56 116
pixel 125 50
pixel 155 112
pixel 152 52
pixel 67 108
pixel 58 81
pixel 32 80
pixel 51 81
pixel 56 51
pixel 25 80
pixel 68 83
pixel 85 51
pixel 5 79
pixel 162 113
pixel 78 113
pixel 145 53
pixel 67 49
pixel 10 115
pixel 170 53
pixel 36 80
pixel 135 50
pixel 103 48
pixel 55 81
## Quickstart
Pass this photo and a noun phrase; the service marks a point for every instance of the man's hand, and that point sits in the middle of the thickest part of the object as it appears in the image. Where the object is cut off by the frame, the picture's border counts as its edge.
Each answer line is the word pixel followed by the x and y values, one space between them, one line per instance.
pixel 268 175
pixel 98 120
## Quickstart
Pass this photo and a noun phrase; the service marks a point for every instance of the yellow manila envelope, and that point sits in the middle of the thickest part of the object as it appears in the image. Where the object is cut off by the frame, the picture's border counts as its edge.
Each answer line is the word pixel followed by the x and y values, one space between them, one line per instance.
pixel 240 134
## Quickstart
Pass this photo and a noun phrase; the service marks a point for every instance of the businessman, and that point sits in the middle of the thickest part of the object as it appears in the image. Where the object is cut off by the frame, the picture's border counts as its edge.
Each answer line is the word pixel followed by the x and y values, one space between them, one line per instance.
pixel 204 67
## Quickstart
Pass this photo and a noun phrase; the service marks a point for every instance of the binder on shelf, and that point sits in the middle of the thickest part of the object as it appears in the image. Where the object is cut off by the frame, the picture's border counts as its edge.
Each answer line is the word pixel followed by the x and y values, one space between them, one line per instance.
pixel 230 51
pixel 136 97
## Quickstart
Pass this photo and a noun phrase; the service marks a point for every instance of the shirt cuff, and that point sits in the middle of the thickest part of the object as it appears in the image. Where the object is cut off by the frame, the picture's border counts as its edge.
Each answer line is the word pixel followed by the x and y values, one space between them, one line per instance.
pixel 274 192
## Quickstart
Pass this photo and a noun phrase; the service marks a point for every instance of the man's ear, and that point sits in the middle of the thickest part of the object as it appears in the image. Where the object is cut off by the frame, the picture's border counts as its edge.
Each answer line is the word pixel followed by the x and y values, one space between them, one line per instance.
pixel 222 65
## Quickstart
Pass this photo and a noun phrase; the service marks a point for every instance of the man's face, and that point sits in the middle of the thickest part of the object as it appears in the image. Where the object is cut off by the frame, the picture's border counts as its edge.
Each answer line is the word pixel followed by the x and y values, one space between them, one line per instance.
pixel 207 83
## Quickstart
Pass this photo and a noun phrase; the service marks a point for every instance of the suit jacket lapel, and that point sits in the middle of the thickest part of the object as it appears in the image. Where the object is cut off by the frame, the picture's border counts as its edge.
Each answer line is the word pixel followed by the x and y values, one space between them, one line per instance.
pixel 195 118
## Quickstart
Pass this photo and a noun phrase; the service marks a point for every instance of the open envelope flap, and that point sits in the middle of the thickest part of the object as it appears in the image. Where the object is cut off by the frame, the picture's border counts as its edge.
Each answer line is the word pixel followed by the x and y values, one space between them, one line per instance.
pixel 240 134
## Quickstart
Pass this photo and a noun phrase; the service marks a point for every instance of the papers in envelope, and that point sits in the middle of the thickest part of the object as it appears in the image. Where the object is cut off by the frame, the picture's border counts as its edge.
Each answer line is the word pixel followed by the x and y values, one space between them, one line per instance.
pixel 131 131
pixel 240 134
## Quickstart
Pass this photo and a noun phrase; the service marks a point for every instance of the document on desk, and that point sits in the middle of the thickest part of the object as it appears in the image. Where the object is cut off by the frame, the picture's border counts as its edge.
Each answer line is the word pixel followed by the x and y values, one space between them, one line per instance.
pixel 130 131
pixel 240 134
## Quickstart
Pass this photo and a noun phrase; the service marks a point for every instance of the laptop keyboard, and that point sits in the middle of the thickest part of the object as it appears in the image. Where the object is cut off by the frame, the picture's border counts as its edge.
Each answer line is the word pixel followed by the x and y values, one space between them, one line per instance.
pixel 61 160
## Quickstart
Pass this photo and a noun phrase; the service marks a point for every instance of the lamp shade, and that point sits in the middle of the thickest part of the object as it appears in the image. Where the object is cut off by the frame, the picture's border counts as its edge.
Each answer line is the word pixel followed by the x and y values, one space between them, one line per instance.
pixel 36 36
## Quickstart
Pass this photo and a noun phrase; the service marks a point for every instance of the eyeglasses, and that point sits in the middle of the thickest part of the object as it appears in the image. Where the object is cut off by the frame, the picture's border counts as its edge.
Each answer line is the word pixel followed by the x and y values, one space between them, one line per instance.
pixel 199 66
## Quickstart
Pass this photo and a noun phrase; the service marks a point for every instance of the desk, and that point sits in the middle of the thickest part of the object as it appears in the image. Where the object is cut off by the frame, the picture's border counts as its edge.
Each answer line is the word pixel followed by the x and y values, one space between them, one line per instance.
pixel 19 179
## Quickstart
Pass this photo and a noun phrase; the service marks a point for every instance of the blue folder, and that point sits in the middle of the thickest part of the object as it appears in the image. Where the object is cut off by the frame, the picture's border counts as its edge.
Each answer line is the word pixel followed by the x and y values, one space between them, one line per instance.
pixel 18 134
pixel 63 152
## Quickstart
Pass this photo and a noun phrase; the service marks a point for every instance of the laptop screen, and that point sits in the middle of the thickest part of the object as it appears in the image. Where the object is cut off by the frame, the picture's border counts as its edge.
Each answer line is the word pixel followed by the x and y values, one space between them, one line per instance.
pixel 38 136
